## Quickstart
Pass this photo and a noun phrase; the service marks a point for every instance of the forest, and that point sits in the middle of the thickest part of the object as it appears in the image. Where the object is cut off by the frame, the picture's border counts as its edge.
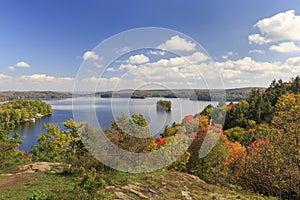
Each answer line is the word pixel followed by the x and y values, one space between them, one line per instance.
pixel 257 148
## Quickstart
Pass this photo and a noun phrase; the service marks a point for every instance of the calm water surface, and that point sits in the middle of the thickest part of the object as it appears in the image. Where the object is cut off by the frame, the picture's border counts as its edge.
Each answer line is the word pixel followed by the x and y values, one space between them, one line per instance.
pixel 108 109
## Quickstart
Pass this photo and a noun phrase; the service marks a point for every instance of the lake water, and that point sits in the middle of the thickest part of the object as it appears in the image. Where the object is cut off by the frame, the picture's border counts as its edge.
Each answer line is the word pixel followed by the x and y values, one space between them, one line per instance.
pixel 108 109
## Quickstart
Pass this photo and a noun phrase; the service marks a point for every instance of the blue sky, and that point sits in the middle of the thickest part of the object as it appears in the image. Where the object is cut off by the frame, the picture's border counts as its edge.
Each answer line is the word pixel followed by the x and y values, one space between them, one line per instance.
pixel 46 40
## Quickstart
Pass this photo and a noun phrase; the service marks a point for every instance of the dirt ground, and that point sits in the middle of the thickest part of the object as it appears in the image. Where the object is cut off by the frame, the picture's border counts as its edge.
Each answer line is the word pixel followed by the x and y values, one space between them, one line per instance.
pixel 15 179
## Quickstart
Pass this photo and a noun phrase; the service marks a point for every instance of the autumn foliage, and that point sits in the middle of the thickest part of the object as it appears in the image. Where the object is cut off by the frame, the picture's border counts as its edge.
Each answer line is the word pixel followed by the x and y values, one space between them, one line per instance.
pixel 160 141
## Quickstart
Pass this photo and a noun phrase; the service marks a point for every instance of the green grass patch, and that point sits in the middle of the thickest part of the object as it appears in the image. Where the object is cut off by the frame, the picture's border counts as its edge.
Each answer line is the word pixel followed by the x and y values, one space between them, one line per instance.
pixel 22 186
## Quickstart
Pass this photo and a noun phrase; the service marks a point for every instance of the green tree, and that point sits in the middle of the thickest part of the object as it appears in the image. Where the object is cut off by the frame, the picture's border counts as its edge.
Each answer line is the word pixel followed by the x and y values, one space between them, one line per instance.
pixel 295 85
pixel 236 134
pixel 53 145
pixel 162 105
pixel 139 120
pixel 207 111
pixel 237 116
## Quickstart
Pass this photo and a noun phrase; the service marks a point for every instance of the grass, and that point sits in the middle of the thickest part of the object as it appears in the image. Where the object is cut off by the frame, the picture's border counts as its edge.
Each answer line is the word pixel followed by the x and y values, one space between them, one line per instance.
pixel 167 184
pixel 24 185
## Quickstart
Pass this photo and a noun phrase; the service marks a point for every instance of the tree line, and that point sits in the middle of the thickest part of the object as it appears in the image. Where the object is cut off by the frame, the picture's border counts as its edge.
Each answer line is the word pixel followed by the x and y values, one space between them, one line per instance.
pixel 41 95
pixel 11 114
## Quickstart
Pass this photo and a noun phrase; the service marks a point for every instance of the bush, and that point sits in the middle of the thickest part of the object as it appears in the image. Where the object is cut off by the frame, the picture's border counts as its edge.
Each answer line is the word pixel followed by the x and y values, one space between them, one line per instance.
pixel 38 196
pixel 89 184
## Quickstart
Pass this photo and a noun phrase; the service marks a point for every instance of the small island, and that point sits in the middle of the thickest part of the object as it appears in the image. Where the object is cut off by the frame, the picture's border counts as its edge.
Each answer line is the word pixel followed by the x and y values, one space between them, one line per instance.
pixel 137 97
pixel 162 105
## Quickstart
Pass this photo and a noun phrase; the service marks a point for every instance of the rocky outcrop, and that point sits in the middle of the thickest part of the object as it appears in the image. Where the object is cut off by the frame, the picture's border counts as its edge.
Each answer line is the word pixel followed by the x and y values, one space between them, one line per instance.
pixel 186 195
pixel 35 167
pixel 123 196
pixel 44 167
pixel 137 189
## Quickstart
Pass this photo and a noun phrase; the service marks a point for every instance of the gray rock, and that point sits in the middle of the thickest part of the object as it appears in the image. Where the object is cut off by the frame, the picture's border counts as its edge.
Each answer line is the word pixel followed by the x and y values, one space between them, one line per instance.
pixel 135 189
pixel 44 167
pixel 123 196
pixel 186 195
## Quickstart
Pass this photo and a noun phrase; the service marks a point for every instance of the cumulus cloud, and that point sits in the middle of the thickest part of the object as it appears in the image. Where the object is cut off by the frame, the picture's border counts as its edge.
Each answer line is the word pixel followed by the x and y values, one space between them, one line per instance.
pixel 258 39
pixel 138 59
pixel 44 77
pixel 295 61
pixel 36 82
pixel 20 64
pixel 245 67
pixel 197 57
pixel 177 43
pixel 285 47
pixel 280 27
pixel 91 55
pixel 185 70
pixel 259 73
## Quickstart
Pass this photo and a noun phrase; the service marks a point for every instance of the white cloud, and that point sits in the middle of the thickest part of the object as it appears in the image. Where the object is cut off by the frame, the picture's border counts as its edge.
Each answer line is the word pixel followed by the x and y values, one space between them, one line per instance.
pixel 197 57
pixel 95 79
pixel 246 67
pixel 38 77
pixel 285 47
pixel 258 73
pixel 44 77
pixel 97 65
pixel 177 43
pixel 161 53
pixel 91 55
pixel 184 70
pixel 20 64
pixel 124 49
pixel 138 59
pixel 227 55
pixel 295 61
pixel 258 39
pixel 280 27
pixel 239 81
pixel 257 51
pixel 12 68
pixel 127 67
pixel 36 82
pixel 3 76
pixel 111 69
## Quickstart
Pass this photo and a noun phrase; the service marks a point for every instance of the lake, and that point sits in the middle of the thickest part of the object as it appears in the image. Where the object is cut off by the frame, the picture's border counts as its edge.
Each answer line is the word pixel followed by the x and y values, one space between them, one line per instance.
pixel 108 109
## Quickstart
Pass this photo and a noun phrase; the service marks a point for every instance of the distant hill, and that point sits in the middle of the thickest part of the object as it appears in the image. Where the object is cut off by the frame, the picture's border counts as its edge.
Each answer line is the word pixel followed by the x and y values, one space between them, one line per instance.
pixel 234 94
pixel 42 95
